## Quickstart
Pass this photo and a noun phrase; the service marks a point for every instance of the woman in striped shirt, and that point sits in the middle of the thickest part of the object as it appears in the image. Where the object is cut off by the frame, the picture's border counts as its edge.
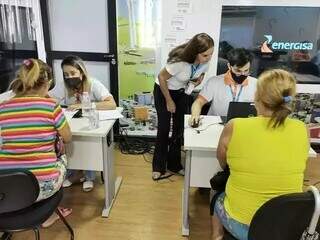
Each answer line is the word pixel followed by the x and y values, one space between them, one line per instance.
pixel 30 123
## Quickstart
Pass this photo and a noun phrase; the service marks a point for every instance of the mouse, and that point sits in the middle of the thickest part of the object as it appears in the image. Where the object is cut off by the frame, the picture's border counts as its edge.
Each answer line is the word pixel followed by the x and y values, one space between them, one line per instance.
pixel 195 124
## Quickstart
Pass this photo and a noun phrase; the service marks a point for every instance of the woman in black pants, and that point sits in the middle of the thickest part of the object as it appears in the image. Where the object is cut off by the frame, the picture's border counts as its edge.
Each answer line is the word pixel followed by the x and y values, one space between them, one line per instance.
pixel 184 70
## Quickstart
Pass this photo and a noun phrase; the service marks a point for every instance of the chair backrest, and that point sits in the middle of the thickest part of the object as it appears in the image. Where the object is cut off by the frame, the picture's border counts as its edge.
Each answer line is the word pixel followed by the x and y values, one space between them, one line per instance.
pixel 283 218
pixel 18 189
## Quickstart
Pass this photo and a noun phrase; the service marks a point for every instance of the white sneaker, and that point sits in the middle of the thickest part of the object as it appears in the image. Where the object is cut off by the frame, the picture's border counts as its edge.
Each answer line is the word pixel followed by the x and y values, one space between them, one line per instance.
pixel 66 183
pixel 181 172
pixel 87 186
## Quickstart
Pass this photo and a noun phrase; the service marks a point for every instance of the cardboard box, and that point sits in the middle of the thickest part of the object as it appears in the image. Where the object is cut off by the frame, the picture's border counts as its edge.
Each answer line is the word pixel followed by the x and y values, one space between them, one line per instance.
pixel 140 113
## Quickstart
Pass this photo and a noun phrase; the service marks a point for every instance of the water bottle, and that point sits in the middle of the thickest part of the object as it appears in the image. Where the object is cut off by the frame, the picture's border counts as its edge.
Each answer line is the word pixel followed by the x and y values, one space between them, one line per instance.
pixel 86 104
pixel 93 117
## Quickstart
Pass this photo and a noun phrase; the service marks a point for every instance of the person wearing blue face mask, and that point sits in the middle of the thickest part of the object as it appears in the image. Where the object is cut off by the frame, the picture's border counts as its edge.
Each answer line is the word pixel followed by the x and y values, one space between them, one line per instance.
pixel 235 85
pixel 184 70
pixel 77 81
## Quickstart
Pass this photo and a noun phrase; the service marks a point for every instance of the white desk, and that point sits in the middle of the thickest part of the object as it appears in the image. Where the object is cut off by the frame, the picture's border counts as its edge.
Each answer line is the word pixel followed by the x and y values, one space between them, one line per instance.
pixel 93 150
pixel 201 162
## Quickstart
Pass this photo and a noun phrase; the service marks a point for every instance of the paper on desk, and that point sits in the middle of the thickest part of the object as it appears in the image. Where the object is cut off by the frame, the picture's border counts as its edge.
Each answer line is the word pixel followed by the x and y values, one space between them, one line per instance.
pixel 109 114
pixel 69 113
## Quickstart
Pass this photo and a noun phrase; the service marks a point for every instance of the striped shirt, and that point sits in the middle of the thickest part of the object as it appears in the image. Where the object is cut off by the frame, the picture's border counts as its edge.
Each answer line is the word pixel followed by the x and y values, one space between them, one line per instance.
pixel 28 130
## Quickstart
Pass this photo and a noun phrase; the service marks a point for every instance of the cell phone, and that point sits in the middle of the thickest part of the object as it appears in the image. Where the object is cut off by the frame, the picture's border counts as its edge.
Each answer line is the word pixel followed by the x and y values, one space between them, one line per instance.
pixel 197 78
pixel 78 114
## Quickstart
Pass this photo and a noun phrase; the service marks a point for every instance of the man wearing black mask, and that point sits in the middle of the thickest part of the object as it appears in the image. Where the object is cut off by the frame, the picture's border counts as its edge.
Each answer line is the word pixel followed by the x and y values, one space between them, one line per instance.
pixel 235 85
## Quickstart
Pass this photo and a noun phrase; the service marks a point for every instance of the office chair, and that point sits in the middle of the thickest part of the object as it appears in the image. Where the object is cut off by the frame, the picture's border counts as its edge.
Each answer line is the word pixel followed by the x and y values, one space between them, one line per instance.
pixel 19 190
pixel 287 217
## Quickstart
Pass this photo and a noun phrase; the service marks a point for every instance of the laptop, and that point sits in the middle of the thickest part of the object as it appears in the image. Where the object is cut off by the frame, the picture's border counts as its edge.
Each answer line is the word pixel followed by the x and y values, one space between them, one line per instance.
pixel 240 110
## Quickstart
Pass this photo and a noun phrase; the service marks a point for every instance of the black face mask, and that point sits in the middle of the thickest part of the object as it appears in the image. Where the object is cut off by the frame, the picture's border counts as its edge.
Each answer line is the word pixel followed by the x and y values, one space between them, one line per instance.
pixel 238 79
pixel 73 83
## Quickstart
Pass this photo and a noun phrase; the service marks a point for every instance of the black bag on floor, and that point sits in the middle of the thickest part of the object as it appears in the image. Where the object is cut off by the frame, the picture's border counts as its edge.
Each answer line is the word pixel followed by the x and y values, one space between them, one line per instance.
pixel 218 183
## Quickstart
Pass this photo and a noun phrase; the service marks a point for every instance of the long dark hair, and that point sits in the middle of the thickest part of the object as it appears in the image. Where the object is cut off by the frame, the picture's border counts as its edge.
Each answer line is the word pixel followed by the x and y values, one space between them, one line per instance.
pixel 188 52
pixel 77 63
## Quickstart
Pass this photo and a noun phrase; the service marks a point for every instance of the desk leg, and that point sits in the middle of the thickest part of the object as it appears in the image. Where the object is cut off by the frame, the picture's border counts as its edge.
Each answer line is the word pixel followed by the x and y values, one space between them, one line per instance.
pixel 111 185
pixel 185 195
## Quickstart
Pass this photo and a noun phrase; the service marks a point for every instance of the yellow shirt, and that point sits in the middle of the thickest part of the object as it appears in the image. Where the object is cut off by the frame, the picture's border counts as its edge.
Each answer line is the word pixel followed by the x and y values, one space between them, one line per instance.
pixel 264 163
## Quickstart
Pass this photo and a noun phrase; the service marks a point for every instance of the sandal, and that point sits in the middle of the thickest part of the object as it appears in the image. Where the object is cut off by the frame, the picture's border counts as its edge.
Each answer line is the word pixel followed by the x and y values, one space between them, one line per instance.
pixel 156 175
pixel 179 173
pixel 55 217
pixel 87 186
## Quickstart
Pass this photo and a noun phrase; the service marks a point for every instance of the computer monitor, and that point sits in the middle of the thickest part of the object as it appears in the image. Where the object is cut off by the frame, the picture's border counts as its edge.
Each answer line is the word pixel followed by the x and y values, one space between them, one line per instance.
pixel 241 110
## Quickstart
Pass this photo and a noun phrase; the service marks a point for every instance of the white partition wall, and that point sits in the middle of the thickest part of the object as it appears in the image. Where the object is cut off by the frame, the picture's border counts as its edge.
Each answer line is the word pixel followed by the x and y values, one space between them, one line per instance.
pixel 80 26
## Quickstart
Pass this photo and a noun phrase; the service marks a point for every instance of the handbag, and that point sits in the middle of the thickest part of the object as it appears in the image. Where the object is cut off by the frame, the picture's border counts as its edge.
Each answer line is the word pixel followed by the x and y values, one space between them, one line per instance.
pixel 219 181
pixel 59 146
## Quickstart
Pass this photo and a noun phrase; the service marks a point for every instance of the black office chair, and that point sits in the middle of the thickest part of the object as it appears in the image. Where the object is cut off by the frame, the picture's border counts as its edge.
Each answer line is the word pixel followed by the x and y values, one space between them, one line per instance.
pixel 286 217
pixel 19 190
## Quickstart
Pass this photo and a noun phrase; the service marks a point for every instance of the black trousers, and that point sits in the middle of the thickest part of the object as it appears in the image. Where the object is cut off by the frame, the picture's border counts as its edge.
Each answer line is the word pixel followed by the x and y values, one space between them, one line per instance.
pixel 167 153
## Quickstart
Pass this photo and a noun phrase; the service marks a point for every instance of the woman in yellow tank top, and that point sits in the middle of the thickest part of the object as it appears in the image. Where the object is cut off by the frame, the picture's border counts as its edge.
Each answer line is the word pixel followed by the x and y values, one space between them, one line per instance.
pixel 266 155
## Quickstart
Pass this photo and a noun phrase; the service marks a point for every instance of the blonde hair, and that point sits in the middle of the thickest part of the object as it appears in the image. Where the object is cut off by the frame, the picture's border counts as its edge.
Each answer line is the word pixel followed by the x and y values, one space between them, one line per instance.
pixel 275 91
pixel 32 75
pixel 76 62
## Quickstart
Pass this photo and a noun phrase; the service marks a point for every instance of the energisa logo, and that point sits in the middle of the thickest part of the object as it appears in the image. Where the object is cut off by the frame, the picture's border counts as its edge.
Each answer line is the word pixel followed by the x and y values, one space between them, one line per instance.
pixel 284 45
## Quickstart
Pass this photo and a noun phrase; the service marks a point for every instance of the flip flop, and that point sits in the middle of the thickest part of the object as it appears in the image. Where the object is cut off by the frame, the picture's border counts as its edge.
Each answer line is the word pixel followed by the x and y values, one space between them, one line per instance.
pixel 54 217
pixel 156 175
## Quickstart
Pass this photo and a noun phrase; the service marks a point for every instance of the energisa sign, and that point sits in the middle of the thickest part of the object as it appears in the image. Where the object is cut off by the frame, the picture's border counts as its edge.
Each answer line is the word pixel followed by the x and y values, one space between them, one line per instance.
pixel 284 45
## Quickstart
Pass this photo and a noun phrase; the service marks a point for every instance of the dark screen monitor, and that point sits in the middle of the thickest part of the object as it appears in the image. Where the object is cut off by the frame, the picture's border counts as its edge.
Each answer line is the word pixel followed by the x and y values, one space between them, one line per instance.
pixel 278 37
pixel 241 110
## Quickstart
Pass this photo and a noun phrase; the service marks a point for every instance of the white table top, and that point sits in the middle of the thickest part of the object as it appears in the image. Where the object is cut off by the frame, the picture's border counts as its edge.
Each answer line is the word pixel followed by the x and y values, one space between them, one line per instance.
pixel 208 138
pixel 80 127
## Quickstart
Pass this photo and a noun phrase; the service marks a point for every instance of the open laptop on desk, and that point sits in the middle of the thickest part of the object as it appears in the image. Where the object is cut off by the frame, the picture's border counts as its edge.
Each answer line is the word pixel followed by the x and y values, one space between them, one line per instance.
pixel 239 110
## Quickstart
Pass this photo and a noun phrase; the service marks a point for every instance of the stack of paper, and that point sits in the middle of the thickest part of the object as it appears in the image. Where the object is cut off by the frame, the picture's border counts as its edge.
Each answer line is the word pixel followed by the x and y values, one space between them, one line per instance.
pixel 109 114
pixel 69 113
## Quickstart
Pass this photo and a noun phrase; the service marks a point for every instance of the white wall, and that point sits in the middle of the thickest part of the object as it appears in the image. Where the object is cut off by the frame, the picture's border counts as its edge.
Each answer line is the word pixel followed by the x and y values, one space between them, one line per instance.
pixel 204 17
pixel 80 26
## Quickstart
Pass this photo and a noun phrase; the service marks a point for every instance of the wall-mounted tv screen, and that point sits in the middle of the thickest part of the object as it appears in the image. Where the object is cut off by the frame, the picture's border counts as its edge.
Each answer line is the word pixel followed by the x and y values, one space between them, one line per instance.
pixel 278 37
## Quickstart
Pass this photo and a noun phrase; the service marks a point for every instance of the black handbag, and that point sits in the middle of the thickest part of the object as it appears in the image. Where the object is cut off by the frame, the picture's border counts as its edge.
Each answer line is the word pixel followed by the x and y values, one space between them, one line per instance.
pixel 219 181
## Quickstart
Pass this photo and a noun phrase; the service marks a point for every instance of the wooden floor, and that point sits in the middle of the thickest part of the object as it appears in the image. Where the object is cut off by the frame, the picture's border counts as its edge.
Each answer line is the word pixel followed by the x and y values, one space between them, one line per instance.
pixel 143 210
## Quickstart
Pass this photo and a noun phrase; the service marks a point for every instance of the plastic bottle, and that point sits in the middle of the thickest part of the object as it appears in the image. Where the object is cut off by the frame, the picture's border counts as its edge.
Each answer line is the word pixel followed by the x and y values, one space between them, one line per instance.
pixel 93 117
pixel 86 104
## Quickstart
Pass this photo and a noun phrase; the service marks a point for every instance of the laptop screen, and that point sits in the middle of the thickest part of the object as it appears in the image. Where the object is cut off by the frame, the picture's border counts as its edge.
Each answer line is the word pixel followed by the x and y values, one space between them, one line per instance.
pixel 241 110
